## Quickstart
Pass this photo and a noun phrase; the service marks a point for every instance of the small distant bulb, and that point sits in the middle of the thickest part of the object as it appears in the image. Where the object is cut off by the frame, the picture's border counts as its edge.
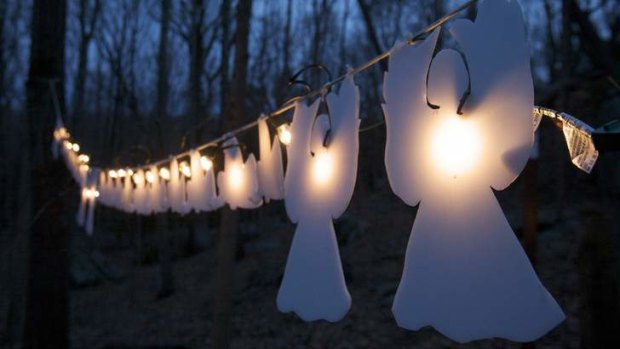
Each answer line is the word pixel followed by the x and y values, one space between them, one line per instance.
pixel 62 132
pixel 83 158
pixel 90 193
pixel 75 147
pixel 323 167
pixel 185 169
pixel 206 163
pixel 68 145
pixel 112 174
pixel 164 173
pixel 121 173
pixel 150 177
pixel 284 134
pixel 129 172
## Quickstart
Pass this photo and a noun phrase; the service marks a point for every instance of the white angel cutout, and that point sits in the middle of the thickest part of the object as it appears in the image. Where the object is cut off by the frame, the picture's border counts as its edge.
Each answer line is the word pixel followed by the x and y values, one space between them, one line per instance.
pixel 465 271
pixel 88 199
pixel 177 194
pixel 140 193
pixel 127 197
pixel 270 171
pixel 156 187
pixel 238 183
pixel 318 185
pixel 201 191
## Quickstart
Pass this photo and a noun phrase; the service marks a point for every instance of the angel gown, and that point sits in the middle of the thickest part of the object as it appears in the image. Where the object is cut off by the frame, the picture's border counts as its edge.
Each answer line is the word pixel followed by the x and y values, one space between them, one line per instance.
pixel 318 184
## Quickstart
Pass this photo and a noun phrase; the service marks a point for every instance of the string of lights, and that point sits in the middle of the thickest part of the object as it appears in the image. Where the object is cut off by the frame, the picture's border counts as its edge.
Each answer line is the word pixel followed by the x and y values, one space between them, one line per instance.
pixel 283 131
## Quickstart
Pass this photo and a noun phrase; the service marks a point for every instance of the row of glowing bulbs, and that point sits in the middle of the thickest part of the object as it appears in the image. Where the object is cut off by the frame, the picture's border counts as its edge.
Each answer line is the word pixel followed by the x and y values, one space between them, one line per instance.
pixel 284 135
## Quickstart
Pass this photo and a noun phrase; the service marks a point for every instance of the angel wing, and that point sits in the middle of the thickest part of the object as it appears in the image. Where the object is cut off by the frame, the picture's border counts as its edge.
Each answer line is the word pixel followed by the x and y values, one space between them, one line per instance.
pixel 298 155
pixel 344 144
pixel 406 110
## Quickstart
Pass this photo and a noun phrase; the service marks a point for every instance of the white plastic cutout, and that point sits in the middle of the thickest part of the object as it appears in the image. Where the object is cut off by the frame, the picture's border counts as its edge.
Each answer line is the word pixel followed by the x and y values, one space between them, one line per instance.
pixel 318 189
pixel 238 183
pixel 88 198
pixel 270 171
pixel 156 187
pixel 201 191
pixel 127 202
pixel 140 194
pixel 465 272
pixel 177 194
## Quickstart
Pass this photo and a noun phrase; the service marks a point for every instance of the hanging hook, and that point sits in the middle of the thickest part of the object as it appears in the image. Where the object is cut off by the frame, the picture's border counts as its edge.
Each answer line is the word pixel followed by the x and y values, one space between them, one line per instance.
pixel 327 138
pixel 466 93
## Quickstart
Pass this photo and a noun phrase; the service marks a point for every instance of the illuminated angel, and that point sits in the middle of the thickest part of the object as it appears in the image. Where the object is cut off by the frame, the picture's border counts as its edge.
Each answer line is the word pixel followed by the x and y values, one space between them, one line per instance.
pixel 319 182
pixel 465 271
pixel 238 183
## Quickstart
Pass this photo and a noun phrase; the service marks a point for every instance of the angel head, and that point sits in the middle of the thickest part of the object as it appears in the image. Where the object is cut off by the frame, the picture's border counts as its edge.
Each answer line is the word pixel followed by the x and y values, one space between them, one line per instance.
pixel 457 121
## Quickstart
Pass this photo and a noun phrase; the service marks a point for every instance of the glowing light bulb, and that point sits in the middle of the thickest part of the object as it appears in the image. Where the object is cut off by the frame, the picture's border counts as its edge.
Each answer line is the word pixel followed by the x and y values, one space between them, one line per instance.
pixel 75 147
pixel 84 167
pixel 236 177
pixel 150 177
pixel 322 167
pixel 68 145
pixel 137 178
pixel 206 163
pixel 121 173
pixel 284 134
pixel 185 169
pixel 90 193
pixel 83 158
pixel 456 146
pixel 164 173
pixel 60 133
pixel 112 174
pixel 129 172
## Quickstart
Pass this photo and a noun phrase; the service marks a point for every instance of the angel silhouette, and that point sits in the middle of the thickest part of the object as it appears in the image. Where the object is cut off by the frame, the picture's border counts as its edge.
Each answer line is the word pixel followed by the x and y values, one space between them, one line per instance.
pixel 456 129
pixel 319 182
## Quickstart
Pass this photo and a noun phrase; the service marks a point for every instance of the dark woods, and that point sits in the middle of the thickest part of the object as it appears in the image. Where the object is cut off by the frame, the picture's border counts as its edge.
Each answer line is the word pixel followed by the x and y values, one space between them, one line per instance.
pixel 138 80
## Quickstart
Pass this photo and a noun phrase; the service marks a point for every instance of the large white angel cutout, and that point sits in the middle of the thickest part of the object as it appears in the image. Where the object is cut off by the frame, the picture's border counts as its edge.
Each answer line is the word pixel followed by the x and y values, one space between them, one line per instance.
pixel 238 183
pixel 465 272
pixel 318 186
pixel 270 171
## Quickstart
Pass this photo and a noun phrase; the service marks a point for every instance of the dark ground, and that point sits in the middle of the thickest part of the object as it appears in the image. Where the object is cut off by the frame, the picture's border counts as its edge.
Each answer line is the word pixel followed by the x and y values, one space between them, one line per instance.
pixel 576 262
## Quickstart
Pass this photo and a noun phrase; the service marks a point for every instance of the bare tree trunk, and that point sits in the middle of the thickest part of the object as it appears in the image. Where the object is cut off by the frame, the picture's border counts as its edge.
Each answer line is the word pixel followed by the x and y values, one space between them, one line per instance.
pixel 286 55
pixel 224 85
pixel 196 60
pixel 166 278
pixel 227 240
pixel 163 65
pixel 371 31
pixel 47 309
pixel 87 19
